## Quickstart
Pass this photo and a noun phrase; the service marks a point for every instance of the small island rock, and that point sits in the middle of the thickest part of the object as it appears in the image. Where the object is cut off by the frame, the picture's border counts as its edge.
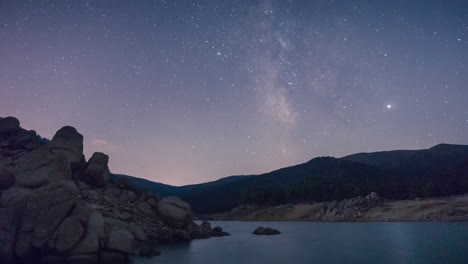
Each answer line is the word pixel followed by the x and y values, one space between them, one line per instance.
pixel 266 231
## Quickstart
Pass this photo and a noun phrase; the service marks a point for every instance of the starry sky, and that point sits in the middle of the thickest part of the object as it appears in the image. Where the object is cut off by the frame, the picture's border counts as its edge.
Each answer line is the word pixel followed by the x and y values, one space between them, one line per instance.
pixel 184 92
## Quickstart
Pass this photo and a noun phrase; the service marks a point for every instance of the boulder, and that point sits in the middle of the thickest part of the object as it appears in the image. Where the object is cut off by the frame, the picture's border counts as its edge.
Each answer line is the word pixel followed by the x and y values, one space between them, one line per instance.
pixel 39 168
pixel 174 212
pixel 266 231
pixel 45 210
pixel 218 232
pixel 94 228
pixel 138 233
pixel 69 234
pixel 205 225
pixel 88 244
pixel 97 171
pixel 9 125
pixel 12 204
pixel 96 224
pixel 198 232
pixel 181 235
pixel 7 179
pixel 217 229
pixel 149 252
pixel 121 240
pixel 69 142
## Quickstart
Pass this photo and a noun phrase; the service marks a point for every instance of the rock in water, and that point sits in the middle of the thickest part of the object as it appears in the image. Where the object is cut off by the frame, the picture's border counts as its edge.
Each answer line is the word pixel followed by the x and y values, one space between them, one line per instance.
pixel 7 179
pixel 205 225
pixel 69 142
pixel 9 125
pixel 174 212
pixel 97 171
pixel 266 231
pixel 217 229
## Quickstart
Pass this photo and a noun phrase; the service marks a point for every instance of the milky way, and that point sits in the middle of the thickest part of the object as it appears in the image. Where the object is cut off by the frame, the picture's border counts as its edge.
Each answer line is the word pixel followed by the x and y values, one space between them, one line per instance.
pixel 190 91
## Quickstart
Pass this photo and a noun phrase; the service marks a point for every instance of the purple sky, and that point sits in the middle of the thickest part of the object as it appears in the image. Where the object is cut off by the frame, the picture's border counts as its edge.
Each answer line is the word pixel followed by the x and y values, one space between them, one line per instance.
pixel 184 92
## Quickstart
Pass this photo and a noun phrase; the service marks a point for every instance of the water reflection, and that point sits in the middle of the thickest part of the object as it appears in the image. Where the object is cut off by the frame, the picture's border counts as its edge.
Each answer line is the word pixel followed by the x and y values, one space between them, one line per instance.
pixel 306 242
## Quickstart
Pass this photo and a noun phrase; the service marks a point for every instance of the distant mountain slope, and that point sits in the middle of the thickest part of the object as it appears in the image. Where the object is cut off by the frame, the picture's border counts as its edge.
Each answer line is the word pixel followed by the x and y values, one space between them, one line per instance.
pixel 438 171
pixel 437 156
pixel 156 187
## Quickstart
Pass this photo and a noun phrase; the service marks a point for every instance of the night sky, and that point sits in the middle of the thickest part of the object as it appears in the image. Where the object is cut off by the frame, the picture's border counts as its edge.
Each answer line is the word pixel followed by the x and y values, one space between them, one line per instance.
pixel 184 92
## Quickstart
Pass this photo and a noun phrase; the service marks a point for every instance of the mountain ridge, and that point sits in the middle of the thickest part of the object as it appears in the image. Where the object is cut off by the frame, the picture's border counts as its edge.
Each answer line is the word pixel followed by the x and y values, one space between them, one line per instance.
pixel 397 174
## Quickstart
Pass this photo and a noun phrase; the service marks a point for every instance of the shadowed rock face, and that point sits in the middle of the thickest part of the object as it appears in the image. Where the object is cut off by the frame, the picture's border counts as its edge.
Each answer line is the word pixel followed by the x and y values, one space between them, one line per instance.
pixel 97 171
pixel 46 215
pixel 12 204
pixel 45 209
pixel 7 179
pixel 121 240
pixel 40 167
pixel 69 142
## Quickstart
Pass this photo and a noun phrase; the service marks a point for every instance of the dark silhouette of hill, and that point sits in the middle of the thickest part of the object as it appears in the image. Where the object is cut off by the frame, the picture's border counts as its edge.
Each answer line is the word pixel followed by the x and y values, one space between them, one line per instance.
pixel 439 171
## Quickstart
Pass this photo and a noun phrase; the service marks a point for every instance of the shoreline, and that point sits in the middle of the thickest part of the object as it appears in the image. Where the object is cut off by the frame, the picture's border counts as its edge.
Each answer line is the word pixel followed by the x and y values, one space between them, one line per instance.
pixel 358 209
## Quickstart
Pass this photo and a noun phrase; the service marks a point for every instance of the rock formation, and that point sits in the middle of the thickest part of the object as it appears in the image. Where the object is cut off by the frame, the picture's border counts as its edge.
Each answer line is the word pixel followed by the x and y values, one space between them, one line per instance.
pixel 97 172
pixel 56 207
pixel 268 231
pixel 69 142
pixel 348 209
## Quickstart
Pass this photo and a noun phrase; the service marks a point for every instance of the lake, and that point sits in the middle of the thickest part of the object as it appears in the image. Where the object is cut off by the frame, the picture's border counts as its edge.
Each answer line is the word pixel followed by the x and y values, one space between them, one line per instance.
pixel 308 242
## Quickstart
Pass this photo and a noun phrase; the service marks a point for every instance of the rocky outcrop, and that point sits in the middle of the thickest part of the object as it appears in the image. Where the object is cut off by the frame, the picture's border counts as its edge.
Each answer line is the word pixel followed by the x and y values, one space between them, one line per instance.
pixel 70 143
pixel 174 212
pixel 15 143
pixel 51 217
pixel 9 125
pixel 40 167
pixel 97 171
pixel 349 209
pixel 446 214
pixel 268 231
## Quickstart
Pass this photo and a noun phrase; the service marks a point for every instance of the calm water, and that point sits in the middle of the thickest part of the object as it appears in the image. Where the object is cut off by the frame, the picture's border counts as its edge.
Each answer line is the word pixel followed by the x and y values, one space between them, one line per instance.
pixel 306 242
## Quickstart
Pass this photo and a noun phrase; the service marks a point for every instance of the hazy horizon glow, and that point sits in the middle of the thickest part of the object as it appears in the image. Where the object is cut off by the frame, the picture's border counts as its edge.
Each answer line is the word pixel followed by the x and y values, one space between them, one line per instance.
pixel 183 92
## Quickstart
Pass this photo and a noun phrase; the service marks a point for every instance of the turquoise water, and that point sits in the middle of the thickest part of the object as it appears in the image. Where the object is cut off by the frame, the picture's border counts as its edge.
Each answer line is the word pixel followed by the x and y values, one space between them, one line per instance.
pixel 307 242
